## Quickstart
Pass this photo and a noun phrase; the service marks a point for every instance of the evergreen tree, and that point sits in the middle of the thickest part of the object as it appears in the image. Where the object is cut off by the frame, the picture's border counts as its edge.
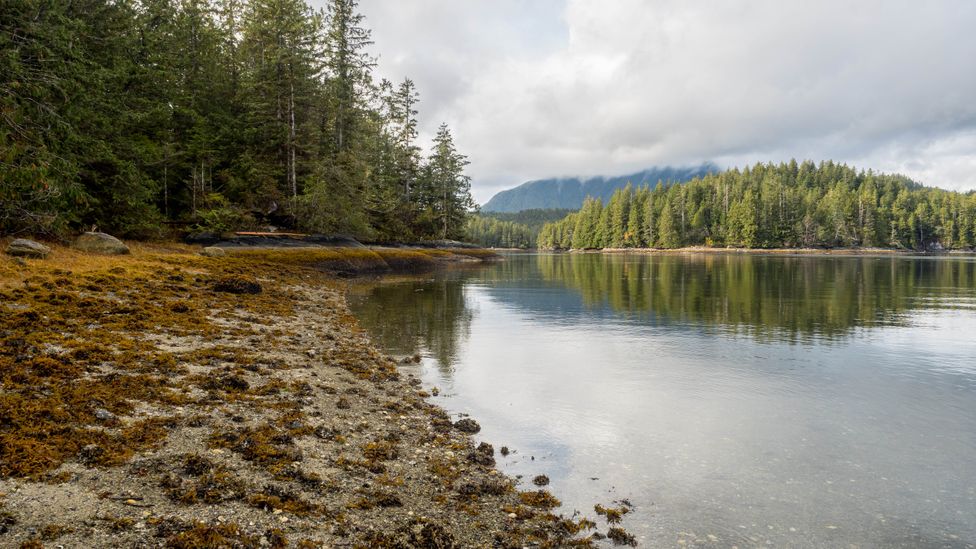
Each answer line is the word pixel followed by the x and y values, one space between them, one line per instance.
pixel 445 193
pixel 785 205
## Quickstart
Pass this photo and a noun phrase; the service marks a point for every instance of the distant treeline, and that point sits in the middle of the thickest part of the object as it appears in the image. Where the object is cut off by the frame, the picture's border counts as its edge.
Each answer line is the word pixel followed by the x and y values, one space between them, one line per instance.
pixel 511 229
pixel 218 114
pixel 774 206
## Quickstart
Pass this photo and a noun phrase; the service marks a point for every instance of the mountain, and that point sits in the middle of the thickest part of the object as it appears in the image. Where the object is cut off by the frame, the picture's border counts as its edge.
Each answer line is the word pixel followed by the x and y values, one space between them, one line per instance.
pixel 569 192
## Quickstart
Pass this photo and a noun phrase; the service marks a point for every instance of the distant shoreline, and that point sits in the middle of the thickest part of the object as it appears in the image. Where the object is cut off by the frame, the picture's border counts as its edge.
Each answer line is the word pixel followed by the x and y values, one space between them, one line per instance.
pixel 769 251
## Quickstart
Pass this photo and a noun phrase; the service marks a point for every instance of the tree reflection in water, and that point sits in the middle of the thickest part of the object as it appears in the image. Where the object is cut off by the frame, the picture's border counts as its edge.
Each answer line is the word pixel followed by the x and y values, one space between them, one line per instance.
pixel 796 299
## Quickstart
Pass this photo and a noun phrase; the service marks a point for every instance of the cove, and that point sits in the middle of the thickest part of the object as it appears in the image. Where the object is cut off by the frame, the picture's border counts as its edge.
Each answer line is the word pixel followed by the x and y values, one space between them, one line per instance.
pixel 734 400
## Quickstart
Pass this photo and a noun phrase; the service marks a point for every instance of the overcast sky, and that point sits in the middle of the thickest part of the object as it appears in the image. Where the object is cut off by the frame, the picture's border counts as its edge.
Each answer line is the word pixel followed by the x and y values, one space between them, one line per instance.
pixel 540 88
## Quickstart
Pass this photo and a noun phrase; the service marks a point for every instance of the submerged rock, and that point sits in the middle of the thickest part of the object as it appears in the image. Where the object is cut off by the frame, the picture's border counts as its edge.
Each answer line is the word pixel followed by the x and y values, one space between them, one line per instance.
pixel 540 480
pixel 100 243
pixel 23 247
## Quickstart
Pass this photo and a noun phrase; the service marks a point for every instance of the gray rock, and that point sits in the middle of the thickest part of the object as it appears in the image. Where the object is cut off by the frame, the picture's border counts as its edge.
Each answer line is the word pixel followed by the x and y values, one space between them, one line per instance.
pixel 101 243
pixel 104 415
pixel 23 247
pixel 213 251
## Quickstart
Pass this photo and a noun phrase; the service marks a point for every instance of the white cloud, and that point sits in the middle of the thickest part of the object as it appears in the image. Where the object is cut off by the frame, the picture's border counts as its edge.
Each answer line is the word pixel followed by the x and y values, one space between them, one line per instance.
pixel 543 88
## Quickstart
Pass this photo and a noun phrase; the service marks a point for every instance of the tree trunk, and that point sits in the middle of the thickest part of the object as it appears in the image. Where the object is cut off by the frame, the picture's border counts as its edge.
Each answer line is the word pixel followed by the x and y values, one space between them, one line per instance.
pixel 292 178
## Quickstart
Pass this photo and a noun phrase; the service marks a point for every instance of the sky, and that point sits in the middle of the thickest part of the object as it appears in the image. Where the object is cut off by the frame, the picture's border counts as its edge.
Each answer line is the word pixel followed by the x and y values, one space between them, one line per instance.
pixel 541 88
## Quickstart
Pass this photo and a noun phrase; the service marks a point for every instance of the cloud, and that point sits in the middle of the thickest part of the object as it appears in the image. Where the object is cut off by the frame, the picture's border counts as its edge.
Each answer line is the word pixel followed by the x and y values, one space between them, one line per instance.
pixel 585 87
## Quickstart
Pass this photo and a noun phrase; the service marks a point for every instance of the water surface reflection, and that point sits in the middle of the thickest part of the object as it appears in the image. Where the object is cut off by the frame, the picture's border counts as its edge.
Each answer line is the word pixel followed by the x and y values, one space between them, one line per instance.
pixel 736 400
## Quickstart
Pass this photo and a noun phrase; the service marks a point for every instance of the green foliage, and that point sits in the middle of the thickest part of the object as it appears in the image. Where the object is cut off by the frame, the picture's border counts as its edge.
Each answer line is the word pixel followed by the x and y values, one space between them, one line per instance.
pixel 126 114
pixel 774 206
pixel 492 233
pixel 444 192
pixel 222 216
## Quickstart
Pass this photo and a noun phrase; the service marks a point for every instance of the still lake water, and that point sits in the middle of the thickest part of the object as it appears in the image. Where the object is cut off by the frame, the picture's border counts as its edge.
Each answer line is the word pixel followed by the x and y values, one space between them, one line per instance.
pixel 735 400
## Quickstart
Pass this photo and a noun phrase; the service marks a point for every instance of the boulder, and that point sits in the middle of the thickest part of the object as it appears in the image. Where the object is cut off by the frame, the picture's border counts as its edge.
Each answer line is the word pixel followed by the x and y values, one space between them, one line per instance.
pixel 213 251
pixel 23 247
pixel 100 243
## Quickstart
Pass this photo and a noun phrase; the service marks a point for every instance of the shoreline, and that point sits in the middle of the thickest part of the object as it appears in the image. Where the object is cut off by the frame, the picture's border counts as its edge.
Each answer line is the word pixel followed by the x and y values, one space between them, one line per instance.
pixel 704 250
pixel 169 399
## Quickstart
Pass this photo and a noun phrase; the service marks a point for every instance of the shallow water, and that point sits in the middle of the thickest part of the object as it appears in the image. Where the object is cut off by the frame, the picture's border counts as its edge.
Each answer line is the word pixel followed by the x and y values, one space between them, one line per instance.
pixel 735 400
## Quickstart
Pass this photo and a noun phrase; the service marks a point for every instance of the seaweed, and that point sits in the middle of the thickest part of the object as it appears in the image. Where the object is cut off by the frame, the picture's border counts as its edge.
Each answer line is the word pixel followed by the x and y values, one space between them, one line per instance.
pixel 541 499
pixel 211 536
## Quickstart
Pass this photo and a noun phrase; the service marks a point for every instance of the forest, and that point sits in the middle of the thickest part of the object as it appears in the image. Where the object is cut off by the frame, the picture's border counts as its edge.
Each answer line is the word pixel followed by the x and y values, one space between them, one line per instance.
pixel 785 205
pixel 511 229
pixel 140 115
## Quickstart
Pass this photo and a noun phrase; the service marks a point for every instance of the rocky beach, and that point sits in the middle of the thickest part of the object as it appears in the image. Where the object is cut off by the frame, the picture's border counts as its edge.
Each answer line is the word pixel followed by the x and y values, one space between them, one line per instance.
pixel 165 398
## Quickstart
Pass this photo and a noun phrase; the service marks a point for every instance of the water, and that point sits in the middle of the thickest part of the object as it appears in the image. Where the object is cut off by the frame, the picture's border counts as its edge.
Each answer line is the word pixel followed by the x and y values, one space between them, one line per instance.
pixel 735 400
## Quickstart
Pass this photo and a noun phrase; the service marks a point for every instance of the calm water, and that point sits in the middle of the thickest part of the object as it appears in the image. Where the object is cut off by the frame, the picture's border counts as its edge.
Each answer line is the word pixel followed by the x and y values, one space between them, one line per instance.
pixel 734 400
